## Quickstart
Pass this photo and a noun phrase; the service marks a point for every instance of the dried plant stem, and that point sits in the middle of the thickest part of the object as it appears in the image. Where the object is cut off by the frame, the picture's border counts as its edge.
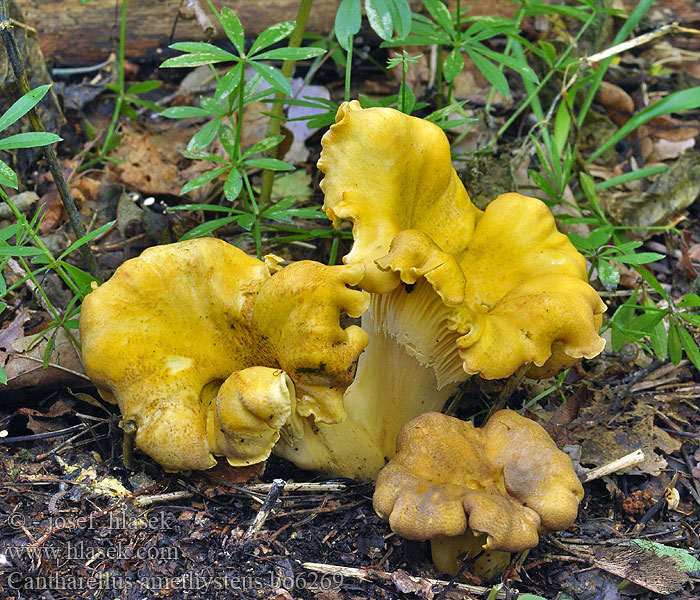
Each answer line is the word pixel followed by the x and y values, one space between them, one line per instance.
pixel 8 38
pixel 267 506
pixel 376 575
pixel 629 460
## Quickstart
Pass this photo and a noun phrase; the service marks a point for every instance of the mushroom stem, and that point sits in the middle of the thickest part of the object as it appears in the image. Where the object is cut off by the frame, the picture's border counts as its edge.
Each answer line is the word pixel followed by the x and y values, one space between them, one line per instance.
pixel 447 554
pixel 390 388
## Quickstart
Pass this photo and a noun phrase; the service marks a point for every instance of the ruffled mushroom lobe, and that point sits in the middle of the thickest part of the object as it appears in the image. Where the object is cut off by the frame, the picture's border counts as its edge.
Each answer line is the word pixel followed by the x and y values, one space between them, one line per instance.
pixel 455 291
pixel 515 286
pixel 171 326
pixel 506 481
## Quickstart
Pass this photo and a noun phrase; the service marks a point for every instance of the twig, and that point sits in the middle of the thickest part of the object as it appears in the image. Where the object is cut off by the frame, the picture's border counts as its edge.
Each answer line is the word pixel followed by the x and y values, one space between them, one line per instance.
pixel 8 38
pixel 50 364
pixel 40 436
pixel 298 487
pixel 166 497
pixel 272 497
pixel 637 41
pixel 629 460
pixel 202 18
pixel 366 575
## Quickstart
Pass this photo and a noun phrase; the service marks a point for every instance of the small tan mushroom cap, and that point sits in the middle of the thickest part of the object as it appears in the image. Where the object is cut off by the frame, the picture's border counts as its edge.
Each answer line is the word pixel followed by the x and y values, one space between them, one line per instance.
pixel 506 480
pixel 509 288
pixel 180 319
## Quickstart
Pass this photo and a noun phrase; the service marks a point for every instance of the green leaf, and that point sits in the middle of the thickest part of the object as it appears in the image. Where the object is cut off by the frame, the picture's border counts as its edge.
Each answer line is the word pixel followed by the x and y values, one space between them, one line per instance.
pixel 690 346
pixel 206 228
pixel 185 112
pixel 7 176
pixel 203 179
pixel 609 276
pixel 631 176
pixel 87 238
pixel 653 282
pixel 7 232
pixel 441 14
pixel 691 318
pixel 271 35
pixel 200 54
pixel 410 99
pixel 379 17
pixel 23 106
pixel 640 258
pixel 246 221
pixel 273 76
pixel 271 164
pixel 227 137
pixel 144 86
pixel 348 20
pixel 689 300
pixel 19 251
pixel 519 66
pixel 263 145
pixel 229 83
pixel 491 72
pixel 204 136
pixel 82 279
pixel 290 54
pixel 400 17
pixel 31 139
pixel 453 65
pixel 3 376
pixel 233 29
pixel 674 343
pixel 621 320
pixel 233 185
pixel 688 99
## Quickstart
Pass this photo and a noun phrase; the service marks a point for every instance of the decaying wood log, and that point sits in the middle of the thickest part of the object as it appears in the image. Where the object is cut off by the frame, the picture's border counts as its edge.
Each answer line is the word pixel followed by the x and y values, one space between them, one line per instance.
pixel 76 34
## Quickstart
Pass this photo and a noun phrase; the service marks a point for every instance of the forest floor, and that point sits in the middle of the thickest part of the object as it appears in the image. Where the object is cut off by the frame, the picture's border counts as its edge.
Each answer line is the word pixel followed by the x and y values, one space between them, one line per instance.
pixel 76 524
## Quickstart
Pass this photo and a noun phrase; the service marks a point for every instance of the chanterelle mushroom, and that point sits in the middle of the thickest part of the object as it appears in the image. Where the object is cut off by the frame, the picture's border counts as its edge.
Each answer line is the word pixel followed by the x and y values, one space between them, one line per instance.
pixel 455 291
pixel 173 325
pixel 449 482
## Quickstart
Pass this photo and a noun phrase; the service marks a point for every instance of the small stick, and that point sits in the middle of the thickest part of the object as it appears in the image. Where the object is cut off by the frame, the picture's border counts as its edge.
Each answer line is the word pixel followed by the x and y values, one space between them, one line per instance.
pixel 167 497
pixel 202 18
pixel 272 497
pixel 298 487
pixel 366 575
pixel 629 460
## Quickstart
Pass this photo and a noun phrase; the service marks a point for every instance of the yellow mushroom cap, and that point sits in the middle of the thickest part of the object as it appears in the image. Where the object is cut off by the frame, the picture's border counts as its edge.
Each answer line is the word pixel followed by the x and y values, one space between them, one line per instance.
pixel 509 288
pixel 506 480
pixel 247 414
pixel 386 172
pixel 180 319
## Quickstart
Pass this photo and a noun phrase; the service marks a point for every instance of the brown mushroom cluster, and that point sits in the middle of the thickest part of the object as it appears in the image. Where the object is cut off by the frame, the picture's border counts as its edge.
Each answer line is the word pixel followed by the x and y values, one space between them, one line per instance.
pixel 466 489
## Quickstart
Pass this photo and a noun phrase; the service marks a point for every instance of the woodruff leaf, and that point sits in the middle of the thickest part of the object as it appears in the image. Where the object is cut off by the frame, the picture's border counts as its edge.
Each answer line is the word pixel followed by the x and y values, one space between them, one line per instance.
pixel 273 76
pixel 609 276
pixel 689 345
pixel 271 35
pixel 453 65
pixel 233 29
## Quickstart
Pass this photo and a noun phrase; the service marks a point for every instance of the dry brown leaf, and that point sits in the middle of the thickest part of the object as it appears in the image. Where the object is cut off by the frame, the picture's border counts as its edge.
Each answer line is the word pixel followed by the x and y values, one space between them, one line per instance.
pixel 58 409
pixel 660 574
pixel 143 167
pixel 618 103
pixel 630 431
pixel 54 213
pixel 24 367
